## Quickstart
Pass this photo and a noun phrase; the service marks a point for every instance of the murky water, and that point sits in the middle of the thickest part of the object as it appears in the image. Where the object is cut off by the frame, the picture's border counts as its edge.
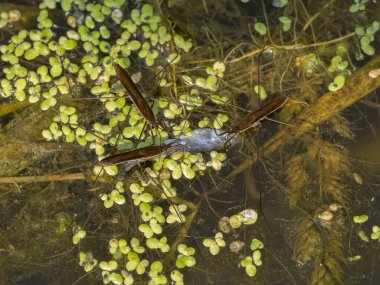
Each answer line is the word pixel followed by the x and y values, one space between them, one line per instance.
pixel 309 171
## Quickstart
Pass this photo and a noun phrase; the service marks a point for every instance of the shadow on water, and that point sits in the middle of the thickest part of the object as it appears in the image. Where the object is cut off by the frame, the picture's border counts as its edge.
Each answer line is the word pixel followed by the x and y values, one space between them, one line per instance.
pixel 312 168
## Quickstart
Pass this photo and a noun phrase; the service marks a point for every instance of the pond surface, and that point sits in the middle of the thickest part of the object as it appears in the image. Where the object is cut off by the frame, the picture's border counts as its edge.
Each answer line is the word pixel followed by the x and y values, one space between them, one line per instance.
pixel 247 191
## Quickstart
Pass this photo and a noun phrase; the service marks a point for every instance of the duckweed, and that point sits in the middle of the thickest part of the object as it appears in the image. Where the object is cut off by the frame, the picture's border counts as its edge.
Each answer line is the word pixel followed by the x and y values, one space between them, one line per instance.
pixel 79 234
pixel 177 172
pixel 118 248
pixel 182 128
pixel 375 235
pixel 87 261
pixel 188 172
pixel 156 274
pixel 259 90
pixel 260 28
pixel 20 95
pixel 181 43
pixel 215 244
pixel 216 160
pixel 185 257
pixel 220 120
pixel 177 277
pixel 111 170
pixel 168 190
pixel 115 196
pixel 235 221
pixel 257 257
pixel 139 266
pixel 81 59
pixel 161 244
pixel 146 230
pixel 366 37
pixel 250 268
pixel 108 266
pixel 219 99
pixel 191 100
pixel 354 258
pixel 250 263
pixel 256 244
pixel 218 69
pixel 359 5
pixel 360 219
pixel 337 64
pixel 175 214
pixel 286 23
pixel 362 235
pixel 211 244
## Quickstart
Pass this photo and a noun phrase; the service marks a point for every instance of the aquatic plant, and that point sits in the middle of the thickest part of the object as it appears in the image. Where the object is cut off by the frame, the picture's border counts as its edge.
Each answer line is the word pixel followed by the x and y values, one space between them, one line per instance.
pixel 67 69
pixel 151 218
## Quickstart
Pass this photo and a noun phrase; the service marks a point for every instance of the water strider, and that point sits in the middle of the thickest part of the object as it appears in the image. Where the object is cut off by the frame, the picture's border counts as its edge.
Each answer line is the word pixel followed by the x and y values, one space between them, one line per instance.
pixel 137 155
pixel 137 98
pixel 145 110
pixel 253 119
pixel 199 140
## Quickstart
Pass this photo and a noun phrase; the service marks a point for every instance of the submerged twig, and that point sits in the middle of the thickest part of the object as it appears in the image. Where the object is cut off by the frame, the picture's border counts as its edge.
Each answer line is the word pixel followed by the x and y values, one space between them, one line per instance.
pixel 291 47
pixel 43 178
pixel 328 106
pixel 184 231
pixel 11 107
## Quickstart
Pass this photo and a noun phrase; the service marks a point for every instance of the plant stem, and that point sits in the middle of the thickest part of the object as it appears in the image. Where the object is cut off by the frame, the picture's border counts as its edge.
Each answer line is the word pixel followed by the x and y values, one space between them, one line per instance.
pixel 326 107
pixel 43 178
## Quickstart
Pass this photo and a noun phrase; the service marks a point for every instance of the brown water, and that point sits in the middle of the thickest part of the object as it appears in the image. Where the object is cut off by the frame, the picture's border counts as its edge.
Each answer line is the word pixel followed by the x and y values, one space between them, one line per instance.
pixel 310 166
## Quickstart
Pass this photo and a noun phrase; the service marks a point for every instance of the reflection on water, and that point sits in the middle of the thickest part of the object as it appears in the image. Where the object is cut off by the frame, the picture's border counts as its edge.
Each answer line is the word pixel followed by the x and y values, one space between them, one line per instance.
pixel 314 177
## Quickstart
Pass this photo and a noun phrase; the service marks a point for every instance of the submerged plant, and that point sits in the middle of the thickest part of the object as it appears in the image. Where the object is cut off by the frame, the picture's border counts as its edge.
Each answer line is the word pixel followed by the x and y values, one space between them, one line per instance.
pixel 151 213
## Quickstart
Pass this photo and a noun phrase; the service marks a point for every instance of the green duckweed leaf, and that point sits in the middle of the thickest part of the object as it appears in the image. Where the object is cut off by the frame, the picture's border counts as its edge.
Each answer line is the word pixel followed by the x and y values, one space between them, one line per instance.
pixel 261 28
pixel 286 23
pixel 338 83
pixel 360 219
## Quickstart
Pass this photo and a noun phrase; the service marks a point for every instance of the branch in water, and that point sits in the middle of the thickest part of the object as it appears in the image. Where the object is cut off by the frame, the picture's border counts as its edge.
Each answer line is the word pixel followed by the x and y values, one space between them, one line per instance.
pixel 326 107
pixel 44 178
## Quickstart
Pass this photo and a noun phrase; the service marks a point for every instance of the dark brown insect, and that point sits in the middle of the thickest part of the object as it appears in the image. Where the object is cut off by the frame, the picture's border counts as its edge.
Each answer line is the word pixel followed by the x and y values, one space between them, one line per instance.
pixel 253 119
pixel 140 154
pixel 140 102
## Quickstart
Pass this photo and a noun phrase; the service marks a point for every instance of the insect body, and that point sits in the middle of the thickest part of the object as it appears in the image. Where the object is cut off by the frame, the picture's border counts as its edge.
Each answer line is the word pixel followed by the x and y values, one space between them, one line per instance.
pixel 253 119
pixel 140 154
pixel 140 102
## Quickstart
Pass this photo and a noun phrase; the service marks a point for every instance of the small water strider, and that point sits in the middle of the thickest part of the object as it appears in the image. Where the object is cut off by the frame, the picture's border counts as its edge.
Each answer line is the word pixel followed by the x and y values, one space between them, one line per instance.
pixel 200 140
pixel 140 102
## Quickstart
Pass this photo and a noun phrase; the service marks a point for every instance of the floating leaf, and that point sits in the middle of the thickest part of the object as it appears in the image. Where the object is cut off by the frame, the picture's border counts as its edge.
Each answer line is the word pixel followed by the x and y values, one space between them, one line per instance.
pixel 360 219
pixel 338 83
pixel 261 28
pixel 286 23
